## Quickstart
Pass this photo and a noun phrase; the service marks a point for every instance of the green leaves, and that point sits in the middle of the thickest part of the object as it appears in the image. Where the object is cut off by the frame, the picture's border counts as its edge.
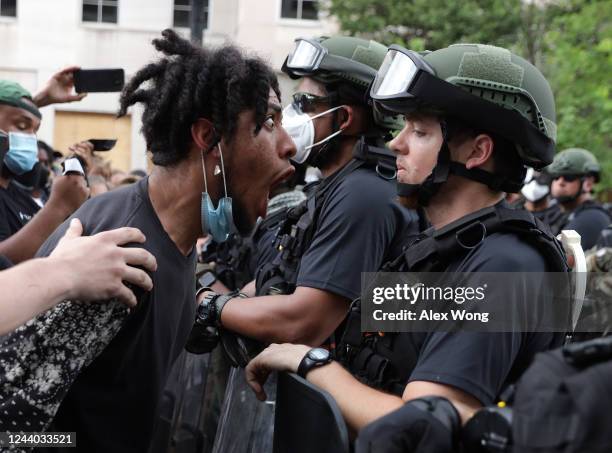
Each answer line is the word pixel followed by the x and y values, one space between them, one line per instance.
pixel 569 40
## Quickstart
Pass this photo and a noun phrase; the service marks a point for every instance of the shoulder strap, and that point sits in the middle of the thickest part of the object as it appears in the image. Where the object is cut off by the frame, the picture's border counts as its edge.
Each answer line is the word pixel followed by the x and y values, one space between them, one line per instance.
pixel 434 247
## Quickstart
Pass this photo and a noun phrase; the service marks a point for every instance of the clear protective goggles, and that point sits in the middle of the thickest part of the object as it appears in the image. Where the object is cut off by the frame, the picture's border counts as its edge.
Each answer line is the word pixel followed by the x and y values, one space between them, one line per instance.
pixel 397 73
pixel 309 57
pixel 306 56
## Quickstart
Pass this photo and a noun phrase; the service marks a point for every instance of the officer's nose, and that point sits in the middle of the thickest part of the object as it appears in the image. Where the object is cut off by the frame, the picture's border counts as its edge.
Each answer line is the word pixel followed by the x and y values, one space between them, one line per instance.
pixel 398 145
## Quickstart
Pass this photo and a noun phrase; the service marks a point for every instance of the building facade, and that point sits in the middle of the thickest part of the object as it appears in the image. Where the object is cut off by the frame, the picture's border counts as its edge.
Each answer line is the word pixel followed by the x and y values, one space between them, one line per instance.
pixel 42 36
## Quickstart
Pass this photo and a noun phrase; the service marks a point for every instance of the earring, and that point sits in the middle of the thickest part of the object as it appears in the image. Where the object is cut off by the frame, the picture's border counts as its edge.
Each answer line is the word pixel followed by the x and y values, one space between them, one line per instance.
pixel 217 170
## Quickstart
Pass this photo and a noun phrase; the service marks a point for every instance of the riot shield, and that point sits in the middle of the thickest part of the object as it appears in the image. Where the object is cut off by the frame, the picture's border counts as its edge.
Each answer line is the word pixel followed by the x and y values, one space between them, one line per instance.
pixel 180 425
pixel 246 424
pixel 307 419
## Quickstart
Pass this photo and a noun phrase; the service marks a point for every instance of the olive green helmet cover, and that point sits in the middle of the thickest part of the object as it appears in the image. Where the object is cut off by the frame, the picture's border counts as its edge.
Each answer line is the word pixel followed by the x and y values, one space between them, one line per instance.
pixel 363 58
pixel 574 161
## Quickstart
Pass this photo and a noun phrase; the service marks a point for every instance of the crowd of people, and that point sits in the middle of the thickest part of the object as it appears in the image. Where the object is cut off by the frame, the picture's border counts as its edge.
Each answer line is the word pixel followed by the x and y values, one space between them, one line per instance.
pixel 441 161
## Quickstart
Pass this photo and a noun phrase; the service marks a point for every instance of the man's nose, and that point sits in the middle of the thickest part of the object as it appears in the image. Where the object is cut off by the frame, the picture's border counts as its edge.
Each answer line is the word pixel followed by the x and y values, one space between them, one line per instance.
pixel 287 148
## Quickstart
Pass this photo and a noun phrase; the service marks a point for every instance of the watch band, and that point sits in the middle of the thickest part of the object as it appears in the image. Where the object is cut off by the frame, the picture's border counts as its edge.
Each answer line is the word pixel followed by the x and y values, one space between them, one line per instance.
pixel 308 363
pixel 222 300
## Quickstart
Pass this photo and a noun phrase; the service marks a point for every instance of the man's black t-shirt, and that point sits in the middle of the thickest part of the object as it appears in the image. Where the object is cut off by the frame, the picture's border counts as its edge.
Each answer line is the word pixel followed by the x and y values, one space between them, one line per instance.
pixel 16 209
pixel 360 226
pixel 589 220
pixel 482 363
pixel 117 362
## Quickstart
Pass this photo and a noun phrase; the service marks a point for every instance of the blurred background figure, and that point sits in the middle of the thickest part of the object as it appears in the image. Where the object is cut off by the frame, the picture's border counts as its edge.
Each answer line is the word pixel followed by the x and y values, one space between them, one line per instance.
pixel 537 199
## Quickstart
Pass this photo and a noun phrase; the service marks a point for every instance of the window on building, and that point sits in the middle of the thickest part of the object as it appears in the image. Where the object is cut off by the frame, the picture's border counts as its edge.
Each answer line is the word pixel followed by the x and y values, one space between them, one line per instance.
pixel 299 9
pixel 102 11
pixel 182 13
pixel 8 8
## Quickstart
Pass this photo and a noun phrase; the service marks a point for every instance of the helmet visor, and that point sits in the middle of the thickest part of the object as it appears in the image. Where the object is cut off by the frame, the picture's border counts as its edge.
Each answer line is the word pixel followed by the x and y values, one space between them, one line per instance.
pixel 306 56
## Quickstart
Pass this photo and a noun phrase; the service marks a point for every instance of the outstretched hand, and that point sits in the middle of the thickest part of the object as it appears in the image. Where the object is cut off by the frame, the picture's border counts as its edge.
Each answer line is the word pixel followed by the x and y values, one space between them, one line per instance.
pixel 99 267
pixel 59 89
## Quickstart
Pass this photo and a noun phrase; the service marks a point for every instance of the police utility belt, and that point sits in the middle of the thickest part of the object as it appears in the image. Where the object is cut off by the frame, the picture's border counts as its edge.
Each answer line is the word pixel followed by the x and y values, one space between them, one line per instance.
pixel 296 230
pixel 386 361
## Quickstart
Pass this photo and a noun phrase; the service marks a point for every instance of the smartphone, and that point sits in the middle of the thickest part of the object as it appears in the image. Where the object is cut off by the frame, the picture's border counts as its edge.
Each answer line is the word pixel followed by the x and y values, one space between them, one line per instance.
pixel 102 144
pixel 98 80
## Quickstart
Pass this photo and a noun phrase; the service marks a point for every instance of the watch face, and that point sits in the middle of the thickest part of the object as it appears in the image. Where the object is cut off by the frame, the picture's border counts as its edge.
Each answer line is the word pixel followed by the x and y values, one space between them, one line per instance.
pixel 318 354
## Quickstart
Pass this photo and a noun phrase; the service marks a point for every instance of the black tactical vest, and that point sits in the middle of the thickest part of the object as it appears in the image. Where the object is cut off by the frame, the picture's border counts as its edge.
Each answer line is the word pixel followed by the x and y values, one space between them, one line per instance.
pixel 295 232
pixel 385 361
pixel 232 258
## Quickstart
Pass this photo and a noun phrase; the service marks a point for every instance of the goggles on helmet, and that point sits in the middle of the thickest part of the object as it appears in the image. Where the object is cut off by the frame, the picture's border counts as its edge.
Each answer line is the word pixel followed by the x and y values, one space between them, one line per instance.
pixel 309 56
pixel 405 81
pixel 398 71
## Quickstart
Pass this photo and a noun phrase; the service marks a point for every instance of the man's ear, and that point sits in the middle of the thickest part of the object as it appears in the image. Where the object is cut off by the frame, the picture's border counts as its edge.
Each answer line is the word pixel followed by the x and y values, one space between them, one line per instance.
pixel 346 118
pixel 481 152
pixel 203 134
pixel 587 185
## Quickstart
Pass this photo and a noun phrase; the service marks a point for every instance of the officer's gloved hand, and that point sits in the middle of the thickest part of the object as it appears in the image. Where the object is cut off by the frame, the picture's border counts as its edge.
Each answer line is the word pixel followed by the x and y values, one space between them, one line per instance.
pixel 204 335
pixel 430 424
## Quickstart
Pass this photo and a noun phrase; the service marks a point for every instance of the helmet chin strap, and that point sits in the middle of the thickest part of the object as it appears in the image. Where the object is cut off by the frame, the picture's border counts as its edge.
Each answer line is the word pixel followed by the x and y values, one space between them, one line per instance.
pixel 438 176
pixel 444 167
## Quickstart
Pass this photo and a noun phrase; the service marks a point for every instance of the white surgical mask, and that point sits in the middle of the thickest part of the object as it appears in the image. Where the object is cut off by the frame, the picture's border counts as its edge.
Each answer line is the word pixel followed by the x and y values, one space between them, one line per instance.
pixel 534 192
pixel 300 128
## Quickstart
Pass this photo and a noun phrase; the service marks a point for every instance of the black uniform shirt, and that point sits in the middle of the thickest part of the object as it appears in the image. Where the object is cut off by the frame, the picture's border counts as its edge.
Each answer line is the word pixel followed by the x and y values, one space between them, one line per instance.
pixel 480 363
pixel 359 227
pixel 588 220
pixel 16 209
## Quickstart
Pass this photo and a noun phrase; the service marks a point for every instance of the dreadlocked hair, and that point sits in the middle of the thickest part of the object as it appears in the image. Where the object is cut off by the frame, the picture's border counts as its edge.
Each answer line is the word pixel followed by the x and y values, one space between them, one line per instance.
pixel 192 82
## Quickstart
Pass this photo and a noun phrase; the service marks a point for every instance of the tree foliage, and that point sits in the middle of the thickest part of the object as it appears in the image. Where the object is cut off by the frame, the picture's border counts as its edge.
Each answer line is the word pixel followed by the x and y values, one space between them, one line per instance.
pixel 578 64
pixel 569 40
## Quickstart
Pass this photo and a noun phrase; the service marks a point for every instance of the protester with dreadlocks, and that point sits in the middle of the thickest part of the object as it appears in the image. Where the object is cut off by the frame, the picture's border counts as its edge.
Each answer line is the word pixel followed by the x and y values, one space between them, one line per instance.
pixel 212 121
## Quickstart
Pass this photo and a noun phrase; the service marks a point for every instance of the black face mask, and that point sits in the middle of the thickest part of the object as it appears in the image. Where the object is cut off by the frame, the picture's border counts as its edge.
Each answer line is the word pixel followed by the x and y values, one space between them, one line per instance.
pixel 34 179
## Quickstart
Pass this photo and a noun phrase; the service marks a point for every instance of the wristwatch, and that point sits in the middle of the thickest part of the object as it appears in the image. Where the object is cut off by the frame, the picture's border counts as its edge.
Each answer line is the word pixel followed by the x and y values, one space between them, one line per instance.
pixel 316 357
pixel 206 312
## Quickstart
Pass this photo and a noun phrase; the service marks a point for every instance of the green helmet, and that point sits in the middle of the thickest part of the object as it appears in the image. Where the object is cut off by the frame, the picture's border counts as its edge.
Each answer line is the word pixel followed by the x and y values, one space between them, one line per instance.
pixel 574 161
pixel 488 87
pixel 346 63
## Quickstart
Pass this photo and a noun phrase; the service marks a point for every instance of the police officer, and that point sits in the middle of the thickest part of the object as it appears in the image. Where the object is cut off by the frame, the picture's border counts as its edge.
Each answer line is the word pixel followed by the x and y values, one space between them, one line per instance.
pixel 350 222
pixel 474 116
pixel 575 172
pixel 536 192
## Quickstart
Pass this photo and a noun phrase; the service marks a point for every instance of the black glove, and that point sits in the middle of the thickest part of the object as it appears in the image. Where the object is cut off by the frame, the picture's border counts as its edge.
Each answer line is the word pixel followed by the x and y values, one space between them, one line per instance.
pixel 204 335
pixel 429 424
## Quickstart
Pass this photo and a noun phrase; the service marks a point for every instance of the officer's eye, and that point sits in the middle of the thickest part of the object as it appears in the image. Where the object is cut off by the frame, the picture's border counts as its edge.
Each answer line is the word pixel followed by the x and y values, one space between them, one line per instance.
pixel 419 133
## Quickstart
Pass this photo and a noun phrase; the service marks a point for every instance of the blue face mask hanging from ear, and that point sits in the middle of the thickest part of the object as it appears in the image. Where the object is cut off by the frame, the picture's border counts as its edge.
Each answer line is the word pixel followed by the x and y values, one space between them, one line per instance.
pixel 219 222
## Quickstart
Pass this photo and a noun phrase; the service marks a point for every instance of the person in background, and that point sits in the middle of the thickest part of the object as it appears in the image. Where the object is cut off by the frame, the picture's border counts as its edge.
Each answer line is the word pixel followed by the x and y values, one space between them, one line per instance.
pixel 24 225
